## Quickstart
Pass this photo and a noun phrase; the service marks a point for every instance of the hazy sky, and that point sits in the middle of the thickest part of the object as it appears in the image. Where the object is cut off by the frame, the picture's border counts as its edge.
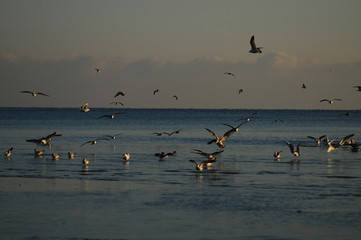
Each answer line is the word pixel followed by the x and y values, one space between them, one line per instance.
pixel 181 48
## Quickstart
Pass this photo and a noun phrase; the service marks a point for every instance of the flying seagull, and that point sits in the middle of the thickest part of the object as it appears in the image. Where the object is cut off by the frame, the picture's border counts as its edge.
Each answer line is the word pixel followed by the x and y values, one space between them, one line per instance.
pixel 111 116
pixel 119 93
pixel 317 141
pixel 116 103
pixel 174 132
pixel 342 142
pixel 229 74
pixel 358 88
pixel 34 94
pixel 331 101
pixel 176 97
pixel 277 154
pixel 200 166
pixel 155 91
pixel 164 155
pixel 210 156
pixel 240 91
pixel 126 156
pixel 219 141
pixel 254 49
pixel 304 86
pixel 295 153
pixel 93 142
pixel 97 70
pixel 45 140
pixel 85 108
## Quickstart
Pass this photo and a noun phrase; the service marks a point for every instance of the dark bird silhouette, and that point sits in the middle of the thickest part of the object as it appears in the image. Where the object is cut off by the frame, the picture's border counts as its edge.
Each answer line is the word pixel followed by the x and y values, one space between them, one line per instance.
pixel 254 48
pixel 35 94
pixel 110 116
pixel 119 94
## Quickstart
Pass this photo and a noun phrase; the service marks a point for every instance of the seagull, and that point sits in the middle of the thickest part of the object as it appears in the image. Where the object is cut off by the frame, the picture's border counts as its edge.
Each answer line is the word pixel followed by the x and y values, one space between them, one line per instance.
pixel 174 132
pixel 126 156
pixel 55 156
pixel 85 161
pixel 116 103
pixel 38 153
pixel 93 142
pixel 176 97
pixel 8 152
pixel 254 48
pixel 70 155
pixel 111 116
pixel 331 101
pixel 229 73
pixel 46 140
pixel 119 93
pixel 277 154
pixel 157 134
pixel 296 153
pixel 240 91
pixel 199 167
pixel 219 141
pixel 303 86
pixel 210 156
pixel 358 88
pixel 317 141
pixel 97 70
pixel 113 136
pixel 85 108
pixel 164 155
pixel 155 91
pixel 34 94
pixel 342 142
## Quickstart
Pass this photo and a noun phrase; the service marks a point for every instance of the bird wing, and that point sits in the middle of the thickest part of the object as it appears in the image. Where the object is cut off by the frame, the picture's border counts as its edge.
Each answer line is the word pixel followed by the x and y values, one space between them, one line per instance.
pixel 213 134
pixel 290 145
pixel 337 99
pixel 26 92
pixel 46 95
pixel 299 148
pixel 216 153
pixel 325 100
pixel 343 141
pixel 314 139
pixel 200 152
pixel 85 143
pixel 252 42
pixel 228 125
pixel 104 116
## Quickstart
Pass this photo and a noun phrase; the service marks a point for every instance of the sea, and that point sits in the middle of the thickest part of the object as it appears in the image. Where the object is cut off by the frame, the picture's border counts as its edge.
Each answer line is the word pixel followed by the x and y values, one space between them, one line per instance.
pixel 246 194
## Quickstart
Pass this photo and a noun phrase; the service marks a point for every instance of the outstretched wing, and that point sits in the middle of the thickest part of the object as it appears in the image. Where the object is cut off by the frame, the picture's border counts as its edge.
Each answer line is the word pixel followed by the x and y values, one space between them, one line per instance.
pixel 291 147
pixel 252 42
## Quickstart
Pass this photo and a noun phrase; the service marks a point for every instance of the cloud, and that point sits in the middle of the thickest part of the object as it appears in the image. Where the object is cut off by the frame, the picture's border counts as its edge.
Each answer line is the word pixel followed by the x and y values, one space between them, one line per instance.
pixel 278 60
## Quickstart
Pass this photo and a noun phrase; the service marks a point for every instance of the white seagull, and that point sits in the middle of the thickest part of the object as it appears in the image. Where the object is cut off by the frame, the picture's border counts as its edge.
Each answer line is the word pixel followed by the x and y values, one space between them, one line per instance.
pixel 317 141
pixel 126 156
pixel 8 152
pixel 330 101
pixel 342 142
pixel 254 49
pixel 34 94
pixel 55 156
pixel 200 166
pixel 38 153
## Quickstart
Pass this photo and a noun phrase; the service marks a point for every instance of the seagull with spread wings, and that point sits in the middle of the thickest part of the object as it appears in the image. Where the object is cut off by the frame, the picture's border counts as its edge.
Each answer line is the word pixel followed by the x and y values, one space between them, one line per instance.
pixel 331 101
pixel 254 49
pixel 35 94
pixel 297 152
pixel 110 116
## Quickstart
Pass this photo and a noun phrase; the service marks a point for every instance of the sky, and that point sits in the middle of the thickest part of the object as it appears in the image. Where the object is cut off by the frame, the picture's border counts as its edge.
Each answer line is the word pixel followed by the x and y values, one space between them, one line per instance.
pixel 182 48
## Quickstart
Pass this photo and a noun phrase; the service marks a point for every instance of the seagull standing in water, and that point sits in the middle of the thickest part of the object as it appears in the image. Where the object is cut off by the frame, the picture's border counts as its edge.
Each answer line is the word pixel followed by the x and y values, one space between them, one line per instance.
pixel 8 152
pixel 254 49
pixel 35 94
pixel 331 101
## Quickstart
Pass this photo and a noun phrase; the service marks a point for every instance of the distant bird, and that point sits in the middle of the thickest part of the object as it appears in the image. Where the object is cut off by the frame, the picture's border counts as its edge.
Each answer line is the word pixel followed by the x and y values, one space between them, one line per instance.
pixel 254 49
pixel 112 136
pixel 331 101
pixel 126 156
pixel 174 132
pixel 157 134
pixel 38 153
pixel 85 108
pixel 295 153
pixel 200 166
pixel 55 156
pixel 219 141
pixel 229 74
pixel 93 142
pixel 116 103
pixel 97 70
pixel 317 141
pixel 45 140
pixel 209 156
pixel 240 91
pixel 119 94
pixel 70 155
pixel 304 86
pixel 277 154
pixel 111 116
pixel 164 155
pixel 176 97
pixel 343 141
pixel 8 152
pixel 34 94
pixel 155 91
pixel 358 88
pixel 85 161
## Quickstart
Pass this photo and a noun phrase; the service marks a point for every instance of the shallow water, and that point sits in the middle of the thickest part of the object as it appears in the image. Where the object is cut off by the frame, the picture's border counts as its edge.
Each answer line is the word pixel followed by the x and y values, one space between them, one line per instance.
pixel 246 194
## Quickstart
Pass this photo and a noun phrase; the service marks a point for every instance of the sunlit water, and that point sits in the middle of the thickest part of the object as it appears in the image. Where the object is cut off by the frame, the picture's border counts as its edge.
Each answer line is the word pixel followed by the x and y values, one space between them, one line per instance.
pixel 246 194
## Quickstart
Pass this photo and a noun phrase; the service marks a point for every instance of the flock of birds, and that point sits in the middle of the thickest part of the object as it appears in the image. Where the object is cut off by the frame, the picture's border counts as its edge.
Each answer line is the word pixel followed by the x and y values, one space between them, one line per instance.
pixel 219 141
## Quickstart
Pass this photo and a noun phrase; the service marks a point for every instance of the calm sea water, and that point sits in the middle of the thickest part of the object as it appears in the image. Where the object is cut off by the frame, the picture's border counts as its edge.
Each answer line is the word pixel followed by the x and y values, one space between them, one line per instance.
pixel 246 194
